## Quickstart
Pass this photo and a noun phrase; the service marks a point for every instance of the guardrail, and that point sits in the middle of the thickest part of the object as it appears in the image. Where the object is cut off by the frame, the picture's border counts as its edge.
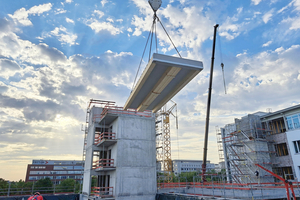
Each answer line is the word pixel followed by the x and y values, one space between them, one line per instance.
pixel 103 136
pixel 102 192
pixel 11 191
pixel 103 163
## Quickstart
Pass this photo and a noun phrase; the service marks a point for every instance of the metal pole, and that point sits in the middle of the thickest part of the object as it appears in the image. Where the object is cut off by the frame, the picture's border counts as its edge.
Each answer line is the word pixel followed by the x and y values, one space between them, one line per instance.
pixel 8 191
pixel 208 104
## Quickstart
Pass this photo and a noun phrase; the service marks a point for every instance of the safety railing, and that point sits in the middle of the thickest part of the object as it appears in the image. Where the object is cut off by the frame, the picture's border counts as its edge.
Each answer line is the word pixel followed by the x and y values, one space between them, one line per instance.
pixel 55 189
pixel 103 163
pixel 218 185
pixel 119 110
pixel 105 135
pixel 102 192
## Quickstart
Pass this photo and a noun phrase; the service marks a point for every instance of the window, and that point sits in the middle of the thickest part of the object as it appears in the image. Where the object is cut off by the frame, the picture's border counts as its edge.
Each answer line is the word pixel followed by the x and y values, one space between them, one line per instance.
pixel 39 172
pixel 290 123
pixel 281 149
pixel 293 122
pixel 62 167
pixel 32 178
pixel 297 146
pixel 296 121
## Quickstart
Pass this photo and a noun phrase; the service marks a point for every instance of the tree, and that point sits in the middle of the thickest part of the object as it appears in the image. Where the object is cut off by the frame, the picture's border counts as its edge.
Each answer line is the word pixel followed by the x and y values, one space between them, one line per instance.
pixel 68 185
pixel 44 185
pixel 3 183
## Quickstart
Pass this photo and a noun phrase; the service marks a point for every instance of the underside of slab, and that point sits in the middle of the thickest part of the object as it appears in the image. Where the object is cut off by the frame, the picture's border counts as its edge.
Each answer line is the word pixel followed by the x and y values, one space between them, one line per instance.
pixel 162 79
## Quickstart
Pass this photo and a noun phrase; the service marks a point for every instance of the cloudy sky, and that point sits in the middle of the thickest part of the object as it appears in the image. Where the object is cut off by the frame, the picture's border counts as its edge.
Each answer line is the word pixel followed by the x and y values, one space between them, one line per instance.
pixel 56 55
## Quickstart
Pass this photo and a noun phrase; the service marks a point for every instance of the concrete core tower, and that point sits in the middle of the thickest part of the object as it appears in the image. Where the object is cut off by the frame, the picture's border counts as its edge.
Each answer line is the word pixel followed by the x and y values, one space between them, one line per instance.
pixel 120 160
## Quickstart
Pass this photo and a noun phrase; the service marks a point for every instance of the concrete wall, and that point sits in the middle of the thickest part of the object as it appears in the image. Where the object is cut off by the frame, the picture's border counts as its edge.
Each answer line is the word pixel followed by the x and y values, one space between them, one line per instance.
pixel 136 158
pixel 294 135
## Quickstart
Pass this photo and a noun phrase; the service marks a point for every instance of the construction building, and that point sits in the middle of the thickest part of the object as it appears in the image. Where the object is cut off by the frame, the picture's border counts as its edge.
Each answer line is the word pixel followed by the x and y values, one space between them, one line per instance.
pixel 267 139
pixel 120 142
pixel 119 153
pixel 56 170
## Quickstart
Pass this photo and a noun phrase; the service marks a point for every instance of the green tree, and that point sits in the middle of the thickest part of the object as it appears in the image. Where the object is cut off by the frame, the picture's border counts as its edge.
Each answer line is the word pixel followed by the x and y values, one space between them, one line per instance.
pixel 43 185
pixel 3 183
pixel 68 185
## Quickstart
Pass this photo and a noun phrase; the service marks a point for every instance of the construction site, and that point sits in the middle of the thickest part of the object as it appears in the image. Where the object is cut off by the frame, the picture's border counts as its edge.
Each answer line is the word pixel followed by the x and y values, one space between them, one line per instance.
pixel 127 150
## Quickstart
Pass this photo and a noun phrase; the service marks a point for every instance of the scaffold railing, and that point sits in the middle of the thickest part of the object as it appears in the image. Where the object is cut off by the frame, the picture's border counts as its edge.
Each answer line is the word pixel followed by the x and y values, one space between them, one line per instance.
pixel 103 163
pixel 103 192
pixel 99 137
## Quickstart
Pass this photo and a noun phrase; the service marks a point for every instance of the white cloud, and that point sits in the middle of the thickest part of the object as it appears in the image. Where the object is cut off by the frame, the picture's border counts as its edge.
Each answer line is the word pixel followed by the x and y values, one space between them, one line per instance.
pixel 21 15
pixel 267 43
pixel 64 36
pixel 103 2
pixel 120 20
pixel 69 20
pixel 69 1
pixel 60 11
pixel 256 2
pixel 266 17
pixel 102 26
pixel 110 20
pixel 99 13
pixel 129 30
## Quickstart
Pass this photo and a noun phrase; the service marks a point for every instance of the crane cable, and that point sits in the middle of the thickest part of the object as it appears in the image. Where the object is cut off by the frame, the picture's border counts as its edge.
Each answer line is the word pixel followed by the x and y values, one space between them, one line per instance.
pixel 153 31
pixel 142 57
pixel 222 64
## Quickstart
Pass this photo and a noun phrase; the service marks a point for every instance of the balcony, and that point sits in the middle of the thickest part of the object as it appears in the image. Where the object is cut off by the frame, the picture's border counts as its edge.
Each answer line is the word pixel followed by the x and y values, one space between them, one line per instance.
pixel 103 192
pixel 104 165
pixel 105 139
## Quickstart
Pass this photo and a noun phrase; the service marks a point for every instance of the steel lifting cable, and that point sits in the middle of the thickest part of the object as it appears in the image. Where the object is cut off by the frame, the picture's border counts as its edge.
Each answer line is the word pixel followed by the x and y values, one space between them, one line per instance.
pixel 142 58
pixel 152 31
pixel 169 37
pixel 222 64
pixel 153 28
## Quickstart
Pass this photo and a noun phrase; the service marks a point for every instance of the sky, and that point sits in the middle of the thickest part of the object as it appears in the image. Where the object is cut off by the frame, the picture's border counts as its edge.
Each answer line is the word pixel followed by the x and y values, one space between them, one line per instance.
pixel 55 55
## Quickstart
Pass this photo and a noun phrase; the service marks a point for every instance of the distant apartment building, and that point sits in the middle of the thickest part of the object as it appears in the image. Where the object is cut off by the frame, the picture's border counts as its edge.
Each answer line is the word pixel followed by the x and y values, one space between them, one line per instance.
pixel 180 166
pixel 271 140
pixel 56 170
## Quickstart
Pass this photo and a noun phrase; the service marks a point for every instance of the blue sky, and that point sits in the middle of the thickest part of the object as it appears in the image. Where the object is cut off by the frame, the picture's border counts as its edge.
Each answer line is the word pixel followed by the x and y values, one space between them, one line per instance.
pixel 56 55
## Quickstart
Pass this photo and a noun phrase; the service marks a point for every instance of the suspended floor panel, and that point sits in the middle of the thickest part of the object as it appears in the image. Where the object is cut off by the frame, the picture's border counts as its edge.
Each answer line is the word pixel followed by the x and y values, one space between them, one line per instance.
pixel 162 79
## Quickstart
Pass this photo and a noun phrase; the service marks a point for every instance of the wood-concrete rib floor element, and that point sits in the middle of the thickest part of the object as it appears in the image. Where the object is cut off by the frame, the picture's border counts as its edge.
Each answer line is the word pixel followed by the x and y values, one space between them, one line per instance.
pixel 162 79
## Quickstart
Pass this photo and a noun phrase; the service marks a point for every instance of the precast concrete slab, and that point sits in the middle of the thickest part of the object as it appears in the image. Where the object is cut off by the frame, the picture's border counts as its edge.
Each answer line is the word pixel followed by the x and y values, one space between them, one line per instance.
pixel 162 79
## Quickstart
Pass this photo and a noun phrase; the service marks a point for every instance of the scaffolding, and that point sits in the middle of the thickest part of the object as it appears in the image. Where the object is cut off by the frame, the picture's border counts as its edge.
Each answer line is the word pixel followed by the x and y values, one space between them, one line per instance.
pixel 245 145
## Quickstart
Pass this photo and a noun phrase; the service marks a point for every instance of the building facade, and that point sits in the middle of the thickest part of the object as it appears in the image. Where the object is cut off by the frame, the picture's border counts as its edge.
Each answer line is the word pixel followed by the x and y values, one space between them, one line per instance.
pixel 180 166
pixel 56 170
pixel 270 140
pixel 119 153
pixel 284 133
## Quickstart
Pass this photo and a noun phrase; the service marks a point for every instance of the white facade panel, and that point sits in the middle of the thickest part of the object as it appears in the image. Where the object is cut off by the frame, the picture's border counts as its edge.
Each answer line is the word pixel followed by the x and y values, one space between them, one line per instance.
pixel 292 137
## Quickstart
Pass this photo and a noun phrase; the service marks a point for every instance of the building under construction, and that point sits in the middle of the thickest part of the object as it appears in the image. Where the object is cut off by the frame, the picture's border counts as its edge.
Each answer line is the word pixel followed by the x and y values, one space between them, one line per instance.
pixel 261 153
pixel 267 139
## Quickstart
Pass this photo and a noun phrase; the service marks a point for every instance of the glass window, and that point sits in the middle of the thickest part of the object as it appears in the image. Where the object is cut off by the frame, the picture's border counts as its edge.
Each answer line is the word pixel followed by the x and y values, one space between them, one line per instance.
pixel 62 167
pixel 295 121
pixel 32 177
pixel 290 123
pixel 297 146
pixel 78 167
